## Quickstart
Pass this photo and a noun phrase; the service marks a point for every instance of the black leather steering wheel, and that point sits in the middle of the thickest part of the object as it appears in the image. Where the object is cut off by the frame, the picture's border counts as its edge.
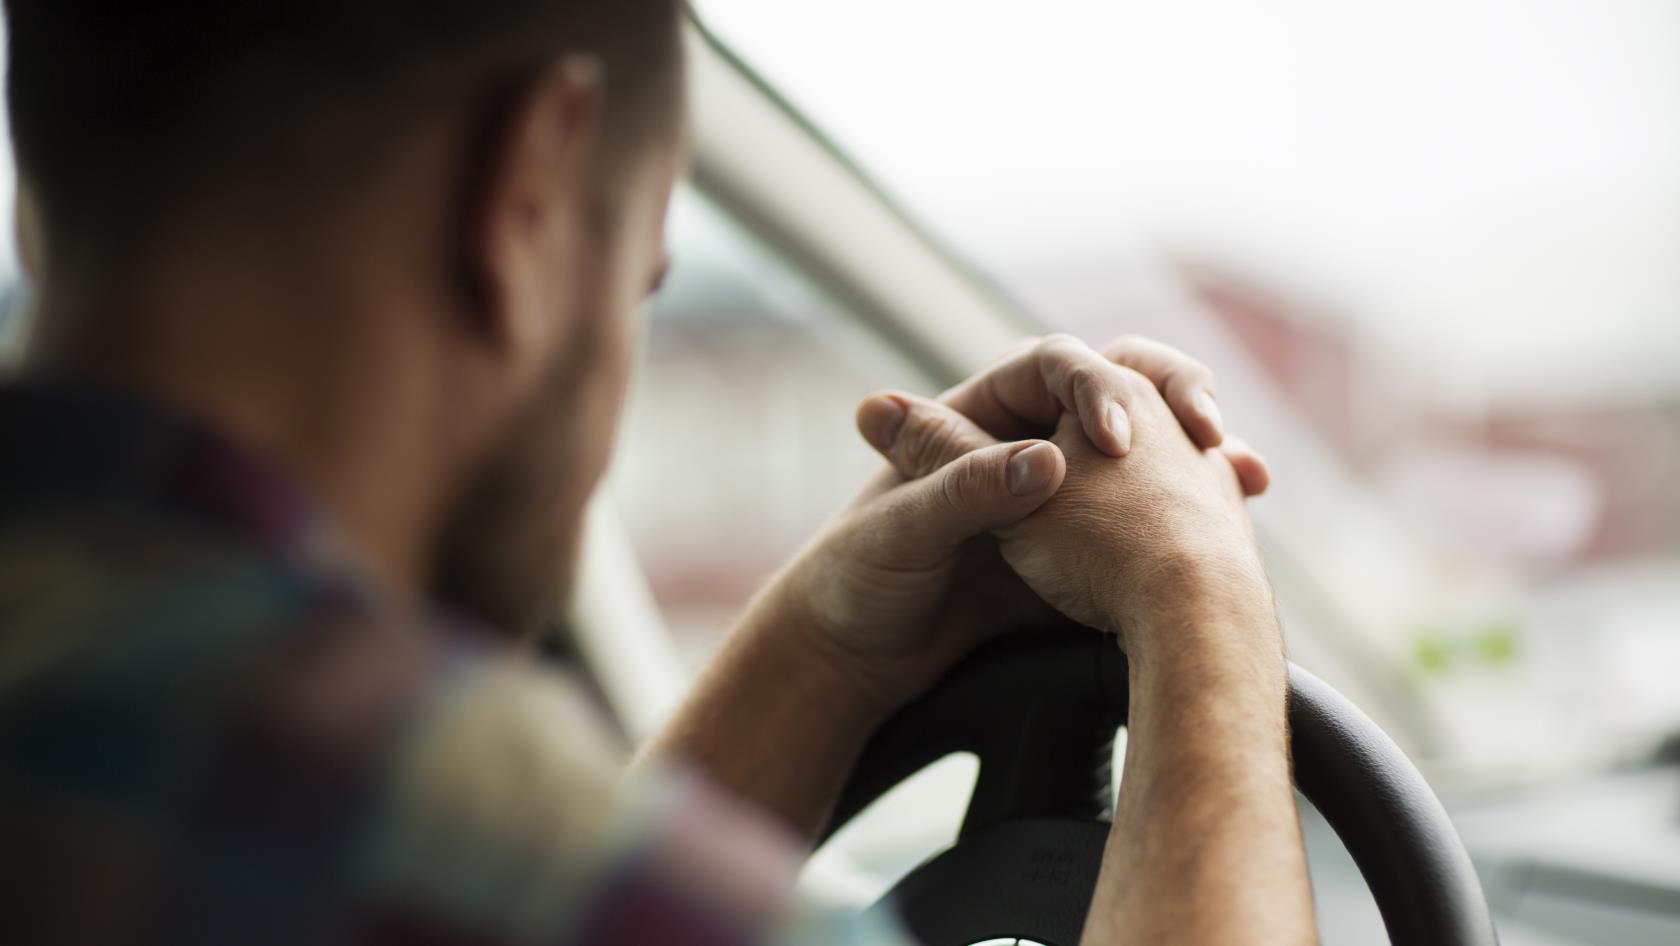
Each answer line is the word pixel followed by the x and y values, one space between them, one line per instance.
pixel 1041 715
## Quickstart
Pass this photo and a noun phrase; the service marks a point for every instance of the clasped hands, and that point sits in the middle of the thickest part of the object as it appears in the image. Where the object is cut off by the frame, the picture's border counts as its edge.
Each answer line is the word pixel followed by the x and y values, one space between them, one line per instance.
pixel 1063 482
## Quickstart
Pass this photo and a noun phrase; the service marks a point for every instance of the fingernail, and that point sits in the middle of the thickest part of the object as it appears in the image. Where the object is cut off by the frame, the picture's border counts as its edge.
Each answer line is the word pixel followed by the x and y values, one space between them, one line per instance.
pixel 1121 427
pixel 888 422
pixel 1209 409
pixel 1031 469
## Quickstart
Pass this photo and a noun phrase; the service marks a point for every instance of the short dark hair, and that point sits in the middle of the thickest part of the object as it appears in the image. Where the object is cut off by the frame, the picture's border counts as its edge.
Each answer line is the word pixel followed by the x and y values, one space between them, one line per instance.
pixel 118 105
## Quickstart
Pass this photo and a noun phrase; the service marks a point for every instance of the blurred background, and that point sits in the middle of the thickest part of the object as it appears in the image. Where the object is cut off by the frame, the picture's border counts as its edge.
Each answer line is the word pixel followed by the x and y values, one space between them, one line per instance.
pixel 1433 252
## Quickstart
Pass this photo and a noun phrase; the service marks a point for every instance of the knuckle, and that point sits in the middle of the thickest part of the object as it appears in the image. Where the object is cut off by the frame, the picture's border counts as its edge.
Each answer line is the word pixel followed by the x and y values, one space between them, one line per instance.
pixel 1123 344
pixel 967 482
pixel 1194 372
pixel 1136 390
pixel 1131 380
pixel 1060 344
pixel 926 442
pixel 1085 383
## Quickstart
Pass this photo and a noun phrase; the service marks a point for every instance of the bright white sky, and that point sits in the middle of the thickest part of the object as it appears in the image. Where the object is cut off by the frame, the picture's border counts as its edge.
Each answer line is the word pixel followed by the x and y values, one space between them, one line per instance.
pixel 1505 173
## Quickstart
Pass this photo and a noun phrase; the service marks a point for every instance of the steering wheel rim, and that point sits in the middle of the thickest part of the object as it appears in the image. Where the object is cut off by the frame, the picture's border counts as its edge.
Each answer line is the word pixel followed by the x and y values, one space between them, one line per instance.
pixel 1041 712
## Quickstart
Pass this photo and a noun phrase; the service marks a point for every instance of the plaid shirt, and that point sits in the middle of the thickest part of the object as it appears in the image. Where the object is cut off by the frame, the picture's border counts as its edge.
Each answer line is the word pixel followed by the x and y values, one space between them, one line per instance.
pixel 214 731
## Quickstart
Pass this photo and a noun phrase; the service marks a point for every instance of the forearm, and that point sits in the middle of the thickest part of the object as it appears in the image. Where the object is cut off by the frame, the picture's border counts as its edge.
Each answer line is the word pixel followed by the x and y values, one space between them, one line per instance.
pixel 774 720
pixel 1206 846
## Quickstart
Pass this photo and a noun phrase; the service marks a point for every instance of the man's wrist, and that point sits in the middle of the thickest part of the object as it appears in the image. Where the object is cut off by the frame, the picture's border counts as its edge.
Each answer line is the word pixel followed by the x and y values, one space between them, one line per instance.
pixel 772 720
pixel 1204 610
pixel 811 665
pixel 1214 669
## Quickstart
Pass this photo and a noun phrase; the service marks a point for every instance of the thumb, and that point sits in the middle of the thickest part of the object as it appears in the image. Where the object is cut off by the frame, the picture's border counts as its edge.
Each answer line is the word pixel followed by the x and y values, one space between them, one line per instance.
pixel 985 489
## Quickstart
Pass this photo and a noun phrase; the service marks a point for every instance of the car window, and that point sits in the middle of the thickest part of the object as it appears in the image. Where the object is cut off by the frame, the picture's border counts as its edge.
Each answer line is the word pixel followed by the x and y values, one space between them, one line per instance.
pixel 739 440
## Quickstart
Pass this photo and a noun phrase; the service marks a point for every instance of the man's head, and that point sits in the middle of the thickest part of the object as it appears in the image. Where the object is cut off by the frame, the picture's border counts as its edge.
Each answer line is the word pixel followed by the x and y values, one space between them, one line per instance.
pixel 478 185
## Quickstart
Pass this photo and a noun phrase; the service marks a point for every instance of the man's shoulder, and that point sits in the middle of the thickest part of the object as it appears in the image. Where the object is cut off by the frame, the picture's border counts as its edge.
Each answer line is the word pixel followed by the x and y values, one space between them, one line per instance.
pixel 187 712
pixel 239 746
pixel 113 624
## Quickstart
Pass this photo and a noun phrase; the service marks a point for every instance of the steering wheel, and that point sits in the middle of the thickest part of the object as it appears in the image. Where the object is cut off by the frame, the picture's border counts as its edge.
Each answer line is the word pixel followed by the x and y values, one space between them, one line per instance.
pixel 1041 715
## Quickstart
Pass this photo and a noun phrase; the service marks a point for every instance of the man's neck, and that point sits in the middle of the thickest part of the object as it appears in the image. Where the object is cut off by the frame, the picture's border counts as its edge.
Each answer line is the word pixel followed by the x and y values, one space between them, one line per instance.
pixel 300 376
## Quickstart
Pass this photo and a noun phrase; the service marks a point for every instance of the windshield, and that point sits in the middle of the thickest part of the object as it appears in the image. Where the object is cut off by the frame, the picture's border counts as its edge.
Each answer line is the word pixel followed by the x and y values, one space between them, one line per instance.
pixel 1431 251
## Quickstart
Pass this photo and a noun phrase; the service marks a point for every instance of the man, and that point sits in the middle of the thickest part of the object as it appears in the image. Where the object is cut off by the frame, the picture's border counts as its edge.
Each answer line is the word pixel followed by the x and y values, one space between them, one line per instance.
pixel 335 308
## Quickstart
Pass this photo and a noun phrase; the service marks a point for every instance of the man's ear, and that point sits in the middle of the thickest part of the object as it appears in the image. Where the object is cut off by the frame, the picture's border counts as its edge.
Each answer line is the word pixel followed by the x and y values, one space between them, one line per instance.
pixel 528 208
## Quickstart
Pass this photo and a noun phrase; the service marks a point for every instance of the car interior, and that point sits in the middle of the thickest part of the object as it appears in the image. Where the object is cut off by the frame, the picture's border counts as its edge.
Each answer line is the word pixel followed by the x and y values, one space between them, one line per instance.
pixel 1485 744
